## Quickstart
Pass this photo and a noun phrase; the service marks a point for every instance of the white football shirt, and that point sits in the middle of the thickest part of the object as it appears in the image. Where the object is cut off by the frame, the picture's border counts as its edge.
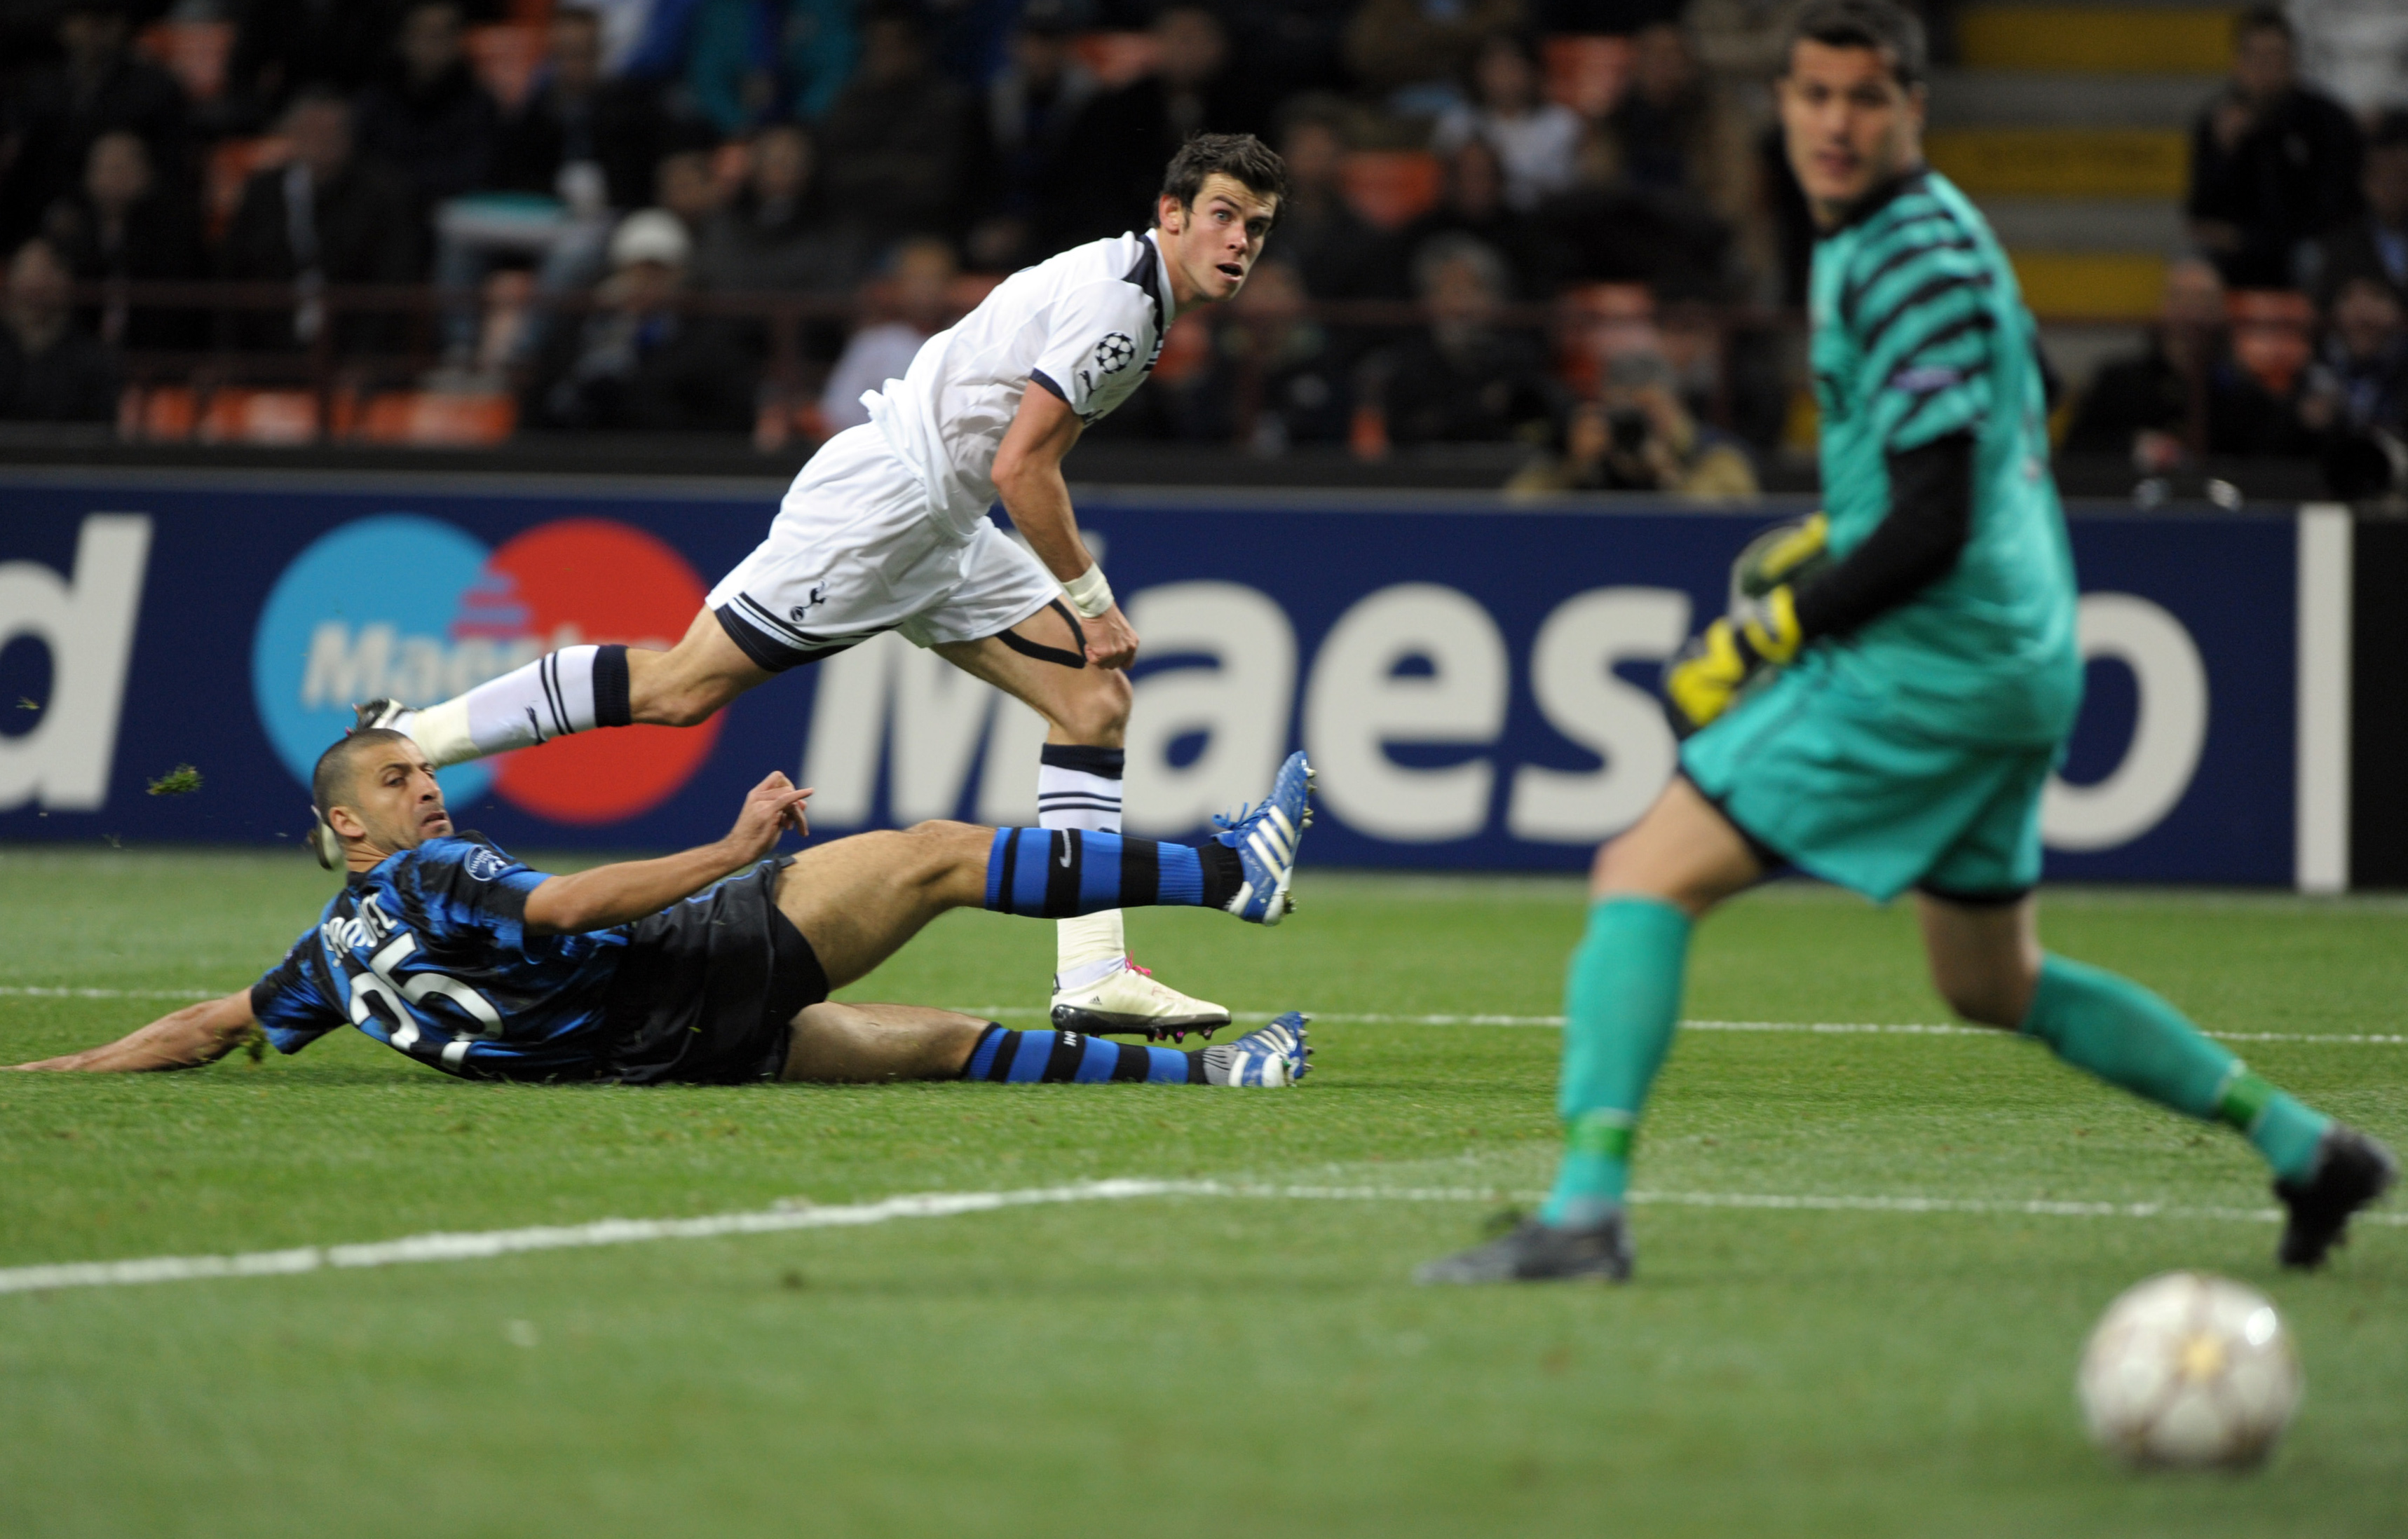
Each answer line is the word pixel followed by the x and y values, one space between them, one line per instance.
pixel 1086 325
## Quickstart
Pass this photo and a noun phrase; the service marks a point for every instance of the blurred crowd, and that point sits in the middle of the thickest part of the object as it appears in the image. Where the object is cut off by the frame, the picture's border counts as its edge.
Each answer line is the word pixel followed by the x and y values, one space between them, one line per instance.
pixel 1490 238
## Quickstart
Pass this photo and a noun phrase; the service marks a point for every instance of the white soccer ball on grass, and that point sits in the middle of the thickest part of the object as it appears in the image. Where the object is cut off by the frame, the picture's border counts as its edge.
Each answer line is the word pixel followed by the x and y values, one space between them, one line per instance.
pixel 2190 1371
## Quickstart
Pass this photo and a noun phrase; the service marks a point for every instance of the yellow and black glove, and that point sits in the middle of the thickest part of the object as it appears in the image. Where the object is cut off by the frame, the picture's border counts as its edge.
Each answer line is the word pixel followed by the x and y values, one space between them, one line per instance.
pixel 1700 683
pixel 1791 554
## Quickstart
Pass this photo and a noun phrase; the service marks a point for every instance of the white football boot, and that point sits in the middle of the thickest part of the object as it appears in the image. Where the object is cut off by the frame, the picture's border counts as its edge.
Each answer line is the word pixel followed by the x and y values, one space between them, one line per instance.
pixel 1130 1000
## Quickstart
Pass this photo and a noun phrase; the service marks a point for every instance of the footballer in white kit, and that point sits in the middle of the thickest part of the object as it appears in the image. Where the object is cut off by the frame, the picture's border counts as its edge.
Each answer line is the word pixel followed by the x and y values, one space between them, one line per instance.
pixel 886 529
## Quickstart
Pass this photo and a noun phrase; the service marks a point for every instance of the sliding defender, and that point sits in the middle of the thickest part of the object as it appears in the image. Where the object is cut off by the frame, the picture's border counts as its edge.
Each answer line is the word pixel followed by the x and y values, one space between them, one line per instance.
pixel 1885 717
pixel 886 529
pixel 712 966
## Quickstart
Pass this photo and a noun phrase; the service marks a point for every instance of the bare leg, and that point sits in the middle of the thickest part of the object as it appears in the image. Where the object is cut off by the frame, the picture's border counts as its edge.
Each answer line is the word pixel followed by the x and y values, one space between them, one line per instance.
pixel 1684 852
pixel 692 681
pixel 835 1043
pixel 858 900
pixel 1986 960
pixel 1088 705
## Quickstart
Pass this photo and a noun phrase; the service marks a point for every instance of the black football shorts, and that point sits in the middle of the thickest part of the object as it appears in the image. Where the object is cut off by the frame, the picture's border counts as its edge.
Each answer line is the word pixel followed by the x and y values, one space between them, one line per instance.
pixel 709 986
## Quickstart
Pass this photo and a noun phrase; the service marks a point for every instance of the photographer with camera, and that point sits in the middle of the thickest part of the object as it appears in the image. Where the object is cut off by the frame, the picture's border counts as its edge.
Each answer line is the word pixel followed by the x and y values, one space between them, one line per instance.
pixel 1638 436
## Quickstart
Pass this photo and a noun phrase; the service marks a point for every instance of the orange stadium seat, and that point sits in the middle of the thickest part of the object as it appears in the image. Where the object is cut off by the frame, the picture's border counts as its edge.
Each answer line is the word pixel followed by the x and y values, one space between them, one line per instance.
pixel 438 418
pixel 1389 189
pixel 160 414
pixel 260 416
pixel 1587 74
pixel 195 53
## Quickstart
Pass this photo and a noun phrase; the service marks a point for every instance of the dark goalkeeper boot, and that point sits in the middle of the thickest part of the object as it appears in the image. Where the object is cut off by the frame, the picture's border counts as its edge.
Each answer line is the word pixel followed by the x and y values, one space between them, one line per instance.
pixel 2352 1170
pixel 1535 1252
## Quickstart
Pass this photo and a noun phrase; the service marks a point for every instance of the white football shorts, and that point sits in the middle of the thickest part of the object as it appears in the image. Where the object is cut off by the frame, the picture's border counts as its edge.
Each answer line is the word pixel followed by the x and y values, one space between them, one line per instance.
pixel 854 551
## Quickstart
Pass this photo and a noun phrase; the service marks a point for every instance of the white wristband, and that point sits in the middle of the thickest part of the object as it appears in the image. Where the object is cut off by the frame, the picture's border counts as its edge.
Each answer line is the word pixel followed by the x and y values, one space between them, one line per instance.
pixel 1089 593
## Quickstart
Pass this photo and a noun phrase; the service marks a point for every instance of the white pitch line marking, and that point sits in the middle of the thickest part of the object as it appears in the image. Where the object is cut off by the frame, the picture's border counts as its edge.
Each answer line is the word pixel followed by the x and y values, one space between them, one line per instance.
pixel 486 1243
pixel 1818 1028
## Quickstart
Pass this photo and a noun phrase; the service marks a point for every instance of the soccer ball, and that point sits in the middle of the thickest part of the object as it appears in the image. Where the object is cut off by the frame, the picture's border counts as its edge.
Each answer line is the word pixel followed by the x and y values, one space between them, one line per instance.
pixel 2189 1370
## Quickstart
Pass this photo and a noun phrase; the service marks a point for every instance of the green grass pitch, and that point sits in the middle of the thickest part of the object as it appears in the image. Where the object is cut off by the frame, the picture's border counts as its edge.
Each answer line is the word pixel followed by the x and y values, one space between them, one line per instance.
pixel 1174 1366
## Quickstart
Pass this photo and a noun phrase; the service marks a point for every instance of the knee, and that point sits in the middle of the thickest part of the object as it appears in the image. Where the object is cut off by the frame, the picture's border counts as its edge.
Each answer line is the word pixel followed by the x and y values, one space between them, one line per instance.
pixel 1986 999
pixel 930 851
pixel 1098 713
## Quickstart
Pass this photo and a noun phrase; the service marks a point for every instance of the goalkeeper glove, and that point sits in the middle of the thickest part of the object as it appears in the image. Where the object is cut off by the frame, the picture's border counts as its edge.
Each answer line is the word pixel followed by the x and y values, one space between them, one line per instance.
pixel 1710 672
pixel 1792 553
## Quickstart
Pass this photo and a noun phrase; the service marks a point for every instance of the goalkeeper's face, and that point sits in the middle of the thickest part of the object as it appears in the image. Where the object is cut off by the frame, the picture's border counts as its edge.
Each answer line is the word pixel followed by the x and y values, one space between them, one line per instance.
pixel 395 803
pixel 1849 124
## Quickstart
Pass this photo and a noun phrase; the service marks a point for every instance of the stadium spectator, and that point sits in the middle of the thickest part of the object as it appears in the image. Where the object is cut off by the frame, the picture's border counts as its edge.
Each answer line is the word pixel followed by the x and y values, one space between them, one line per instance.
pixel 430 120
pixel 99 86
pixel 49 371
pixel 1411 51
pixel 1123 136
pixel 1031 106
pixel 1276 378
pixel 777 232
pixel 1605 231
pixel 2272 163
pixel 578 129
pixel 903 307
pixel 2357 402
pixel 736 64
pixel 1335 254
pixel 896 147
pixel 122 226
pixel 1638 436
pixel 2375 245
pixel 324 217
pixel 684 185
pixel 638 364
pixel 1536 141
pixel 1465 380
pixel 283 46
pixel 2360 382
pixel 1473 203
pixel 2185 395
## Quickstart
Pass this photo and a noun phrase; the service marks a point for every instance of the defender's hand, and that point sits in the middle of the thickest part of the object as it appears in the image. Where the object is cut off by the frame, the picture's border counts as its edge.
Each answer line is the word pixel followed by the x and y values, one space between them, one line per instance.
pixel 770 809
pixel 1111 642
pixel 1700 683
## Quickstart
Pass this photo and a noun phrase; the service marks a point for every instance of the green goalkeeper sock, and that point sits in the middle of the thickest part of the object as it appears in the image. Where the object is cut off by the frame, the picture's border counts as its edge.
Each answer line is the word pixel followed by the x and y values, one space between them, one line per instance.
pixel 1620 1007
pixel 2128 1037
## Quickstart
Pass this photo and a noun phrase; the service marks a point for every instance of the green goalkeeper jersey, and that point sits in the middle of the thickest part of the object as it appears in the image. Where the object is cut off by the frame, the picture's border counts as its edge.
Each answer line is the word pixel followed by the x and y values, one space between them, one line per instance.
pixel 1920 332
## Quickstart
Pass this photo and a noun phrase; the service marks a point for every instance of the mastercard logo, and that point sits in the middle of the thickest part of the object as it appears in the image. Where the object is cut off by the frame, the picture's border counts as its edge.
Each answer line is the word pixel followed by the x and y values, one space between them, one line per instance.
pixel 418 609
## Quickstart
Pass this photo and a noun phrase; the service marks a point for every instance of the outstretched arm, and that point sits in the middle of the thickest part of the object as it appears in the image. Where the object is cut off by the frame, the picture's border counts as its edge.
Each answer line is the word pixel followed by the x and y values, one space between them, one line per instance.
pixel 1028 476
pixel 627 891
pixel 193 1035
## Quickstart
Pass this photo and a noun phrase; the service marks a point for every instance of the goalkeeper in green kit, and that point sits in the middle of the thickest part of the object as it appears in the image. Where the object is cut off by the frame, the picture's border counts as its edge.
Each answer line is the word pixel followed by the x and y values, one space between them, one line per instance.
pixel 1883 713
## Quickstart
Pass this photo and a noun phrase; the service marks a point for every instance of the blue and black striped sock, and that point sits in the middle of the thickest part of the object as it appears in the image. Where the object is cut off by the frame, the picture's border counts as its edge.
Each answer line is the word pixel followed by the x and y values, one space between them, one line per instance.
pixel 1055 872
pixel 1068 1058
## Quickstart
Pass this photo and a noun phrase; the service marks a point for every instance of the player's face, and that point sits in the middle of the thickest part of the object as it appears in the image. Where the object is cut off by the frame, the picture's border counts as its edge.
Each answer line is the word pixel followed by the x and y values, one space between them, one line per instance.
pixel 1210 247
pixel 394 803
pixel 1849 124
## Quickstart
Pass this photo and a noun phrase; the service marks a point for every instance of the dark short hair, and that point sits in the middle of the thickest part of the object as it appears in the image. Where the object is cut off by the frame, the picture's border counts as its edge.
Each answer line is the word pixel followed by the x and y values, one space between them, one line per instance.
pixel 2263 18
pixel 332 780
pixel 1885 26
pixel 1239 156
pixel 2390 131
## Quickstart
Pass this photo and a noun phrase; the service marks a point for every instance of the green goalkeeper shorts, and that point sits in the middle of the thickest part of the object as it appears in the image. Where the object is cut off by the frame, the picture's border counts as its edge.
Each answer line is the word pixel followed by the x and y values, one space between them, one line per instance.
pixel 1829 779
